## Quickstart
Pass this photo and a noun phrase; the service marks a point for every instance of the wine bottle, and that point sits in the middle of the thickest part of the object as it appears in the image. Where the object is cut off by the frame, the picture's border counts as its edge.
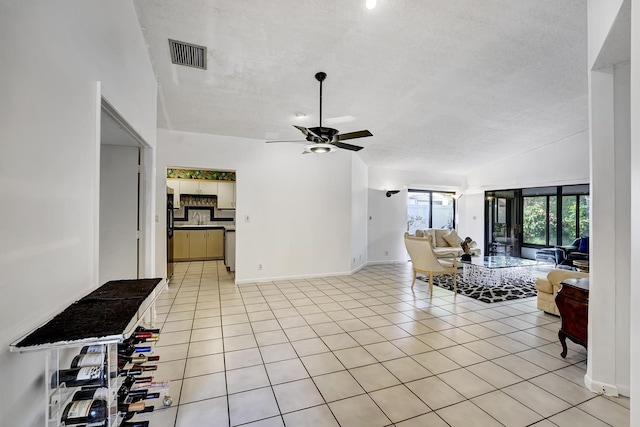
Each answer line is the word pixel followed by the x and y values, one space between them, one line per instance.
pixel 127 415
pixel 128 410
pixel 138 370
pixel 134 424
pixel 153 331
pixel 85 411
pixel 131 407
pixel 144 335
pixel 148 385
pixel 98 348
pixel 88 359
pixel 96 393
pixel 137 359
pixel 125 387
pixel 75 377
pixel 138 395
pixel 129 349
pixel 128 384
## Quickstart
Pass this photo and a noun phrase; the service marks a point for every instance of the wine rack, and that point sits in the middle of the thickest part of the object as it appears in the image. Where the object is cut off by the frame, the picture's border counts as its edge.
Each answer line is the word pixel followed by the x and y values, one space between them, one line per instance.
pixel 89 332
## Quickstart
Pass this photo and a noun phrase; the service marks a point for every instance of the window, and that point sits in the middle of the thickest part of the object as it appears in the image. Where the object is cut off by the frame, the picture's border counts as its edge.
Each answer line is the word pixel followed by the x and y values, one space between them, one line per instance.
pixel 429 209
pixel 534 227
pixel 555 215
pixel 575 217
pixel 418 212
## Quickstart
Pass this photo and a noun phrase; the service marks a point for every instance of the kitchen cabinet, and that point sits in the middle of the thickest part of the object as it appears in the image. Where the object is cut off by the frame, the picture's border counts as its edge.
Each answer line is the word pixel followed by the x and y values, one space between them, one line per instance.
pixel 198 244
pixel 180 245
pixel 226 195
pixel 215 243
pixel 230 250
pixel 195 186
pixel 175 185
pixel 208 188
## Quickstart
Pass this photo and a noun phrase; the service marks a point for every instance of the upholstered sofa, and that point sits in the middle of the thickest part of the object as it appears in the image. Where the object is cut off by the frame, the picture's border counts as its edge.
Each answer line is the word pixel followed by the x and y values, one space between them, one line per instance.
pixel 549 287
pixel 446 242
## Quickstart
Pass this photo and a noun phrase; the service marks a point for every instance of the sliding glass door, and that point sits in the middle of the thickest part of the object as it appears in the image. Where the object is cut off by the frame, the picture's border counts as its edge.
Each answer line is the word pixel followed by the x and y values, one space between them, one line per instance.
pixel 534 218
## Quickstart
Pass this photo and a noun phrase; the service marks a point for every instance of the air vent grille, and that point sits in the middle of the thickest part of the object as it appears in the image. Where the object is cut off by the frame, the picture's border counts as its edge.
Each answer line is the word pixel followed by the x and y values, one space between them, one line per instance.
pixel 188 54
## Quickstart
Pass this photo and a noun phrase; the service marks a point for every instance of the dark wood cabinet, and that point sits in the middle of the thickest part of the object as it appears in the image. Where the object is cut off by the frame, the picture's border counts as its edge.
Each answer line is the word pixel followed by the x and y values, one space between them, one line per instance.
pixel 573 303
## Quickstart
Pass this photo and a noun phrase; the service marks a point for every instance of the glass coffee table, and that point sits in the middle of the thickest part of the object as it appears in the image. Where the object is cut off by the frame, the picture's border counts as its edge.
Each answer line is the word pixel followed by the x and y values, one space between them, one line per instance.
pixel 490 270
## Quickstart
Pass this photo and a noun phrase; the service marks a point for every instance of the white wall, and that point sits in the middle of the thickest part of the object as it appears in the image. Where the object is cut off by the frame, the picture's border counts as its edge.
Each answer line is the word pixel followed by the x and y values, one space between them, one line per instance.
pixel 563 162
pixel 609 313
pixel 634 300
pixel 359 213
pixel 299 206
pixel 118 213
pixel 49 157
pixel 471 217
pixel 389 214
pixel 600 17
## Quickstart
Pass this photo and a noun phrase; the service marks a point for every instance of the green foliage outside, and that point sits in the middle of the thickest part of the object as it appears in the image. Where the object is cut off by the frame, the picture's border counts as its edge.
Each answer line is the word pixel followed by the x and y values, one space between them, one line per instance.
pixel 534 226
pixel 535 219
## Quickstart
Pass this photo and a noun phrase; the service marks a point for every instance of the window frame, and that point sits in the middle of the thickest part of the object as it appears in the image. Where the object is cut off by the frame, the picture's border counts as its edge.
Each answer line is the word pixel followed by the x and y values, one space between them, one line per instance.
pixel 431 193
pixel 560 191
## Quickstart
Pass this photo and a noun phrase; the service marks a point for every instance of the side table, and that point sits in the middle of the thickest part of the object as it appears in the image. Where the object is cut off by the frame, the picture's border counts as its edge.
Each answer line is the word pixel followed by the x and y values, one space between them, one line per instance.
pixel 573 304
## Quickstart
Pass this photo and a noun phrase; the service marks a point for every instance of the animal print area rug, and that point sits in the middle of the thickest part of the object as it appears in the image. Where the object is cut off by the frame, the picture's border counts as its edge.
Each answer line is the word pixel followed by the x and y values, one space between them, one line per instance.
pixel 509 289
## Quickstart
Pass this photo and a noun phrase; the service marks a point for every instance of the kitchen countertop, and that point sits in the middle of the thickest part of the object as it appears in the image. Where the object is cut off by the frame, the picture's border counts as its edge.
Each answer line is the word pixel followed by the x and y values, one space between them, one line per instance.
pixel 230 227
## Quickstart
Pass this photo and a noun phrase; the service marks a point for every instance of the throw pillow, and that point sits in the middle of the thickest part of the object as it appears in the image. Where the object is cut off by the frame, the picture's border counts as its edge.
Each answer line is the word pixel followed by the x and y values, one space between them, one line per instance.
pixel 439 238
pixel 419 233
pixel 453 239
pixel 584 245
pixel 429 234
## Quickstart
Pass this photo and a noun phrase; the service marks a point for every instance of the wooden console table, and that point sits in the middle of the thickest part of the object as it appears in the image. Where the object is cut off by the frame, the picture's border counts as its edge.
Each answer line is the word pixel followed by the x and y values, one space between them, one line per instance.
pixel 573 304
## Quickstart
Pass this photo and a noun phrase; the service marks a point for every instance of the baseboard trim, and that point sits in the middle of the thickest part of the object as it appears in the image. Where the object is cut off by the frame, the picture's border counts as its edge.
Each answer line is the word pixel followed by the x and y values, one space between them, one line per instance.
pixel 314 276
pixel 624 390
pixel 600 387
pixel 284 278
pixel 385 262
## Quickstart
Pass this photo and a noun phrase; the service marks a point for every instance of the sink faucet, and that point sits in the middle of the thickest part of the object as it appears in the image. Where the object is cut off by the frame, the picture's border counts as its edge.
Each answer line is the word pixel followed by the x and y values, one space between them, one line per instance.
pixel 197 214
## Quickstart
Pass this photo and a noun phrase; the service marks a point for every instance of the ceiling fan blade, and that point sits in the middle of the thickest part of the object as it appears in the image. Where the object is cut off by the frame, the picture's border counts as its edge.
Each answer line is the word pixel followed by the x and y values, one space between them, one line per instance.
pixel 304 130
pixel 353 135
pixel 290 140
pixel 347 146
pixel 310 134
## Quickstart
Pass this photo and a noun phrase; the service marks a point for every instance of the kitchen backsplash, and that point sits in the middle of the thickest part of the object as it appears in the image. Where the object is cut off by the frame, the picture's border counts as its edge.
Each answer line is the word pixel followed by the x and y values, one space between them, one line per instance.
pixel 202 205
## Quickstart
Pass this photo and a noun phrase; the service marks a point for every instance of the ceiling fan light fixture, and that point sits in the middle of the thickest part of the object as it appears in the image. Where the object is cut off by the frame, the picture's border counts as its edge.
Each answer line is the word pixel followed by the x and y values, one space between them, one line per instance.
pixel 300 115
pixel 320 148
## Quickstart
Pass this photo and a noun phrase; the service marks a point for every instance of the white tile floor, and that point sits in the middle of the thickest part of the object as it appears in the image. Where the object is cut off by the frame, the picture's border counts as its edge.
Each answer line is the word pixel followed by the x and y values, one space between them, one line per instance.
pixel 363 350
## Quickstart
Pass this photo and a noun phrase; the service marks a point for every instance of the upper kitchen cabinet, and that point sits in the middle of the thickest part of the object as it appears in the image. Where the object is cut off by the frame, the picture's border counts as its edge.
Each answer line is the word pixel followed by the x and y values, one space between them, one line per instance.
pixel 208 187
pixel 175 185
pixel 193 186
pixel 226 195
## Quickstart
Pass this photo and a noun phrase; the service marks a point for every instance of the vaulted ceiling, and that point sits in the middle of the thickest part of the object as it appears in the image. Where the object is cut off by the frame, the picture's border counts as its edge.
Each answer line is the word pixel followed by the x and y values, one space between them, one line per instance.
pixel 444 85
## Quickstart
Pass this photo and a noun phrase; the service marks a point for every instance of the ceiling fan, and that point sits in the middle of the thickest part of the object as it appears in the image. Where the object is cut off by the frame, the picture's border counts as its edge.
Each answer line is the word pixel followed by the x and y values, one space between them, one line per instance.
pixel 324 139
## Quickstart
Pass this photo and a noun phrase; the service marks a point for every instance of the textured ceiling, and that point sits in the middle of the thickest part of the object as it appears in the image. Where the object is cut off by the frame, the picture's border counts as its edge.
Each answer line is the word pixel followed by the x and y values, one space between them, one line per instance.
pixel 444 85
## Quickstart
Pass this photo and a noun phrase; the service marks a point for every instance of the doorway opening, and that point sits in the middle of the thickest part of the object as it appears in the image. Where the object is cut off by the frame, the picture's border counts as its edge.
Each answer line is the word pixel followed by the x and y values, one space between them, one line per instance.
pixel 121 213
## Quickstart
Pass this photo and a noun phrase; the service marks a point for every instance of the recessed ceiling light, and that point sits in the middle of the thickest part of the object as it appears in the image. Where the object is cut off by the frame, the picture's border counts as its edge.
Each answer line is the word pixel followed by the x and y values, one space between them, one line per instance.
pixel 301 115
pixel 371 4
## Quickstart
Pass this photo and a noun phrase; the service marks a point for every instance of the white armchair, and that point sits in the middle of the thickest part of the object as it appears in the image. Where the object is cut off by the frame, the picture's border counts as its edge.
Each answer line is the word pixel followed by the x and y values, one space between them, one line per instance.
pixel 425 261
